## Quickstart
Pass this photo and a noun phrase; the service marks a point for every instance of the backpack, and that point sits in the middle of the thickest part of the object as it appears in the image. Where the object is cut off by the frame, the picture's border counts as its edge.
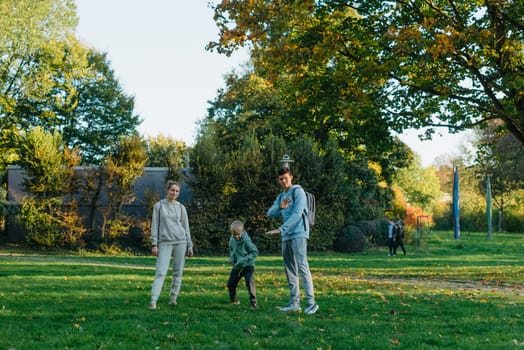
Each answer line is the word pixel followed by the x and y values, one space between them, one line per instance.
pixel 310 206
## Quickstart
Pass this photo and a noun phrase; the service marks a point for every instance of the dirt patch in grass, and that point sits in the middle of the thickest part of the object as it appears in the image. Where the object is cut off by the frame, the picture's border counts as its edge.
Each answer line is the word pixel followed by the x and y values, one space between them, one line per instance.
pixel 481 286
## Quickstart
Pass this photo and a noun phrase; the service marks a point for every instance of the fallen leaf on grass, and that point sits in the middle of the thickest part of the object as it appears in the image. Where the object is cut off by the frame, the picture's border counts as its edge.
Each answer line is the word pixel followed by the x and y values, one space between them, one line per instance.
pixel 516 342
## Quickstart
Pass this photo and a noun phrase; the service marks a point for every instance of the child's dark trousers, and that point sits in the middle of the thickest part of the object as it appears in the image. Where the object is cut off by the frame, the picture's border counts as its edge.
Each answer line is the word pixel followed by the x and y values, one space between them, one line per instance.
pixel 236 275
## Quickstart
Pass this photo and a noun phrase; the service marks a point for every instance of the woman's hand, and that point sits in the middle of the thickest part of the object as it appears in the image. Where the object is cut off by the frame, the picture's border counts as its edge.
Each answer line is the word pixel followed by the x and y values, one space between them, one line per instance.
pixel 273 232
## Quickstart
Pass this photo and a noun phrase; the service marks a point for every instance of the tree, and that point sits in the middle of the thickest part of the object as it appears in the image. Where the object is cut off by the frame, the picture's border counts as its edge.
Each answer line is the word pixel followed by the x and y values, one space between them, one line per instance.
pixel 48 164
pixel 49 79
pixel 27 28
pixel 402 64
pixel 84 102
pixel 101 114
pixel 501 156
pixel 122 167
pixel 49 213
pixel 420 186
pixel 302 83
pixel 167 152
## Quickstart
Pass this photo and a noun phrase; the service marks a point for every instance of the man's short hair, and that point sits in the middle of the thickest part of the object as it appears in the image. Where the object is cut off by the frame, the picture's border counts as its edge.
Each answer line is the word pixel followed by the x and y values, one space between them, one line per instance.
pixel 284 170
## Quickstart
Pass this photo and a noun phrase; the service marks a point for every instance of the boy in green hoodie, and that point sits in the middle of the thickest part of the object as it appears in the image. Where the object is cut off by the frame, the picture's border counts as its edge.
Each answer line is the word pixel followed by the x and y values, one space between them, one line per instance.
pixel 242 254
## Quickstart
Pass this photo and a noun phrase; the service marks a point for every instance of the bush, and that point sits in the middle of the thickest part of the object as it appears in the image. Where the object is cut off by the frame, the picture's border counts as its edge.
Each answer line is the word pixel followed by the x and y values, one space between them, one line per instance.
pixel 514 221
pixel 352 239
pixel 39 219
pixel 49 225
pixel 322 235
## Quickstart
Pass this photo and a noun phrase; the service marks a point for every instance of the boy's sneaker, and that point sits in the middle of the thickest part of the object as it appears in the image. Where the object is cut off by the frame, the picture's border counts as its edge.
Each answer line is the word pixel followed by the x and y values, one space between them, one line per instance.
pixel 254 306
pixel 291 307
pixel 311 309
pixel 152 305
pixel 172 300
pixel 235 302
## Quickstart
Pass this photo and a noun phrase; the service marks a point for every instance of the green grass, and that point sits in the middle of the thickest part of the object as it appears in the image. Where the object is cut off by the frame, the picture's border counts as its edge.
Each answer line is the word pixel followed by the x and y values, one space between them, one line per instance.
pixel 445 294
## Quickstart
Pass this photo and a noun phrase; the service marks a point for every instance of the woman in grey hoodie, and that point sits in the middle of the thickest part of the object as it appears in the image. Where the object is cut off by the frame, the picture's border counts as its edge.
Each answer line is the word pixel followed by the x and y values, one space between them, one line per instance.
pixel 170 237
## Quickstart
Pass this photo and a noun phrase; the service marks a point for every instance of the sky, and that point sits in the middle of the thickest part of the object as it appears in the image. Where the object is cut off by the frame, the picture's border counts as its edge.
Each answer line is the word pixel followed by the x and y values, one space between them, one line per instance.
pixel 157 50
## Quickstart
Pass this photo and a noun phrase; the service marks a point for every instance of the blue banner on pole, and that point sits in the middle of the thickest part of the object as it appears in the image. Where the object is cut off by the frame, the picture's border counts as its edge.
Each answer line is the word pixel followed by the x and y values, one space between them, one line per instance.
pixel 456 206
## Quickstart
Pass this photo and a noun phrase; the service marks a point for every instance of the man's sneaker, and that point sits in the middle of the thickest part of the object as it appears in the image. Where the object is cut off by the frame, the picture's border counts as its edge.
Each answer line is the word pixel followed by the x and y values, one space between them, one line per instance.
pixel 152 305
pixel 311 309
pixel 291 307
pixel 172 300
pixel 235 302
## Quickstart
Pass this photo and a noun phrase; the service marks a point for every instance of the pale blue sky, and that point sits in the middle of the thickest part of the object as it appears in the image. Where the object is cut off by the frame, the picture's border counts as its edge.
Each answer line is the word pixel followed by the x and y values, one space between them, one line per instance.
pixel 157 50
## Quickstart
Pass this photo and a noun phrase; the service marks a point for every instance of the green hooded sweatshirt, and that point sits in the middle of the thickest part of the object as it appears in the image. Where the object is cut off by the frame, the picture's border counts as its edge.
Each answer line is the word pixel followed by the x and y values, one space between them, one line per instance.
pixel 242 252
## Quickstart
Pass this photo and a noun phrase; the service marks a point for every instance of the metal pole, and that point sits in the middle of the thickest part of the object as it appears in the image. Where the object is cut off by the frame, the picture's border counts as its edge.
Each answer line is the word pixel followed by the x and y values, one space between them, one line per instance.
pixel 488 205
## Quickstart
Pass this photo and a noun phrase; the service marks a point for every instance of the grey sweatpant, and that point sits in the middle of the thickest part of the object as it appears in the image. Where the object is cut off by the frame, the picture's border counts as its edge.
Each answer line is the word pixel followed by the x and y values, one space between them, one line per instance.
pixel 294 253
pixel 165 252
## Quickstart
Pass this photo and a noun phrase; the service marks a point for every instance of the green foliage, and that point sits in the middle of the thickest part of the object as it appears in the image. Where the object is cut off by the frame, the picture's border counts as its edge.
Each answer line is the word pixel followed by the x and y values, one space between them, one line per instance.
pixel 26 28
pixel 123 166
pixel 235 182
pixel 500 156
pixel 359 68
pixel 514 219
pixel 506 193
pixel 40 68
pixel 48 164
pixel 102 113
pixel 39 219
pixel 48 79
pixel 420 186
pixel 167 152
pixel 51 225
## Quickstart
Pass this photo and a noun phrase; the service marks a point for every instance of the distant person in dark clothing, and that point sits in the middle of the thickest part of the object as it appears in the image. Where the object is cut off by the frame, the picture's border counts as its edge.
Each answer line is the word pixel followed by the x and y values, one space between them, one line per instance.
pixel 398 237
pixel 391 237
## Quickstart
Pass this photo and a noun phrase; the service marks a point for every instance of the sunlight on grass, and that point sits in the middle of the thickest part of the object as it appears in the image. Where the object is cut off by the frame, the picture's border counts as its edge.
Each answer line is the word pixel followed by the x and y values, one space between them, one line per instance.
pixel 436 297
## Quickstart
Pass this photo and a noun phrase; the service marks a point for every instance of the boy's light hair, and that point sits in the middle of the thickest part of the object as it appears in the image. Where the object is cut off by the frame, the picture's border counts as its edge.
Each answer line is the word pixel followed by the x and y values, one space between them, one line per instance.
pixel 237 226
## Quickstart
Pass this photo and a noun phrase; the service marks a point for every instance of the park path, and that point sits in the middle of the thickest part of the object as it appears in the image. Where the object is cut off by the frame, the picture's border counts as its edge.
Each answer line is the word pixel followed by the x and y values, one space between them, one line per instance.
pixel 464 285
pixel 453 285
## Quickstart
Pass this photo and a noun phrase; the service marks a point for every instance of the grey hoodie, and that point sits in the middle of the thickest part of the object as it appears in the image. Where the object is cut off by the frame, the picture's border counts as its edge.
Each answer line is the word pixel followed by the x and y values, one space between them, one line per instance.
pixel 169 224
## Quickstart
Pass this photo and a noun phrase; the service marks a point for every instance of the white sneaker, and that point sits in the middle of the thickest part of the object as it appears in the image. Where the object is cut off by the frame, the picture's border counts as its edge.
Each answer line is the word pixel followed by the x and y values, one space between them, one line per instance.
pixel 152 305
pixel 290 307
pixel 311 309
pixel 172 300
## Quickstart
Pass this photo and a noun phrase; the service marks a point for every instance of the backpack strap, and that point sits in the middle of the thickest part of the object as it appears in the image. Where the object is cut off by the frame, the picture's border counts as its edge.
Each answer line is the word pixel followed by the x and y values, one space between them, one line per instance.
pixel 304 212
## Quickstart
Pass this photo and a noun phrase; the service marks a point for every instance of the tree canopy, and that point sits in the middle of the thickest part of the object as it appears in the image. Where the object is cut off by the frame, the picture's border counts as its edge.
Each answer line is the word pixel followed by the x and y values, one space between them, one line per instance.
pixel 50 80
pixel 386 65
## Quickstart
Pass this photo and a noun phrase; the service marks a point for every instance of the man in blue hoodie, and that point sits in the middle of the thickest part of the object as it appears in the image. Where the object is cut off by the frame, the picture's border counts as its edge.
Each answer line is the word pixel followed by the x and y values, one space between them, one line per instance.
pixel 291 204
pixel 242 254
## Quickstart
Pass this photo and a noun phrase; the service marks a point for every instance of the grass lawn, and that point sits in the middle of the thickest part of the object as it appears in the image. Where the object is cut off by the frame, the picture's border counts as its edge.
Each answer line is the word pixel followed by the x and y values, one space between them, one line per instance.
pixel 444 294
